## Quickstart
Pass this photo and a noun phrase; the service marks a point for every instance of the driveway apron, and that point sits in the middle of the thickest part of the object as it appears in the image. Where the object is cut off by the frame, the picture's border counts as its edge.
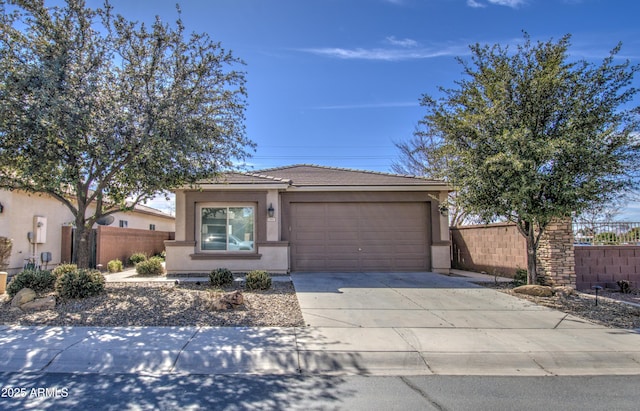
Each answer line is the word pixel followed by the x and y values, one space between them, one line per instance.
pixel 432 323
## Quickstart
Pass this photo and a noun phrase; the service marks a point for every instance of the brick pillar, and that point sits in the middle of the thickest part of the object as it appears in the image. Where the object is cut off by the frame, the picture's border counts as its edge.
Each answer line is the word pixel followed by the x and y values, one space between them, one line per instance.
pixel 556 260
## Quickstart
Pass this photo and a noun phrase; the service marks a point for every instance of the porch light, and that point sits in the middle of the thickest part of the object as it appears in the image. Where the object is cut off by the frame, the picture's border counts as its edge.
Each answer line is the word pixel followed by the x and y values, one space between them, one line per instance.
pixel 1 208
pixel 271 211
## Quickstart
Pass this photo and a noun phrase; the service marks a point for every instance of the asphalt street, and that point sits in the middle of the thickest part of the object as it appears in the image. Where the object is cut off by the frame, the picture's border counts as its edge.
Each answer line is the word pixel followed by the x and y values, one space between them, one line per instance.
pixel 53 391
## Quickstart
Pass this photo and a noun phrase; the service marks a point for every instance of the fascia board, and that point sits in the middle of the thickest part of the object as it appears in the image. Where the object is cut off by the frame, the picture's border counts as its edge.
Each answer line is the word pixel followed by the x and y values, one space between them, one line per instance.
pixel 370 188
pixel 223 187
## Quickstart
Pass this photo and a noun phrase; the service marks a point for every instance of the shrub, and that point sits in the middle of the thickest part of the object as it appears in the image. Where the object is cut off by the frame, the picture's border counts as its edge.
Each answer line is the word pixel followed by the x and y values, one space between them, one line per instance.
pixel 152 266
pixel 137 258
pixel 221 277
pixel 606 238
pixel 114 266
pixel 5 251
pixel 80 284
pixel 257 280
pixel 521 277
pixel 64 268
pixel 38 280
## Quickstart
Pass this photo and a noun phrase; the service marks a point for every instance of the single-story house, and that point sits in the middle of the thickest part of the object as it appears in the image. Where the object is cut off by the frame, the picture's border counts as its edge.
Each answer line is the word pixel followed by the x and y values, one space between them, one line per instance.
pixel 34 223
pixel 311 218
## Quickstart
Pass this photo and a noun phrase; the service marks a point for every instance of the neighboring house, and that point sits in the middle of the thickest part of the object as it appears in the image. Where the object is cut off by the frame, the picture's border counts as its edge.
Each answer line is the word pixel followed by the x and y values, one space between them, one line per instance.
pixel 21 213
pixel 311 218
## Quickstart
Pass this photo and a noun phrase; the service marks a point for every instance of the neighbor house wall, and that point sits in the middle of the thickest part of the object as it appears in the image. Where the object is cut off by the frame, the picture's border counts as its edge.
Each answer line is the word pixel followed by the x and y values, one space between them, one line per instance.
pixel 17 220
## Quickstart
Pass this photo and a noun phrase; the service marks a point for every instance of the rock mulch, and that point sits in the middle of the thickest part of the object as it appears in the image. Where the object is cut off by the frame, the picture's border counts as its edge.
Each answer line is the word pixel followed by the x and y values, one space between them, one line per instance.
pixel 166 304
pixel 610 311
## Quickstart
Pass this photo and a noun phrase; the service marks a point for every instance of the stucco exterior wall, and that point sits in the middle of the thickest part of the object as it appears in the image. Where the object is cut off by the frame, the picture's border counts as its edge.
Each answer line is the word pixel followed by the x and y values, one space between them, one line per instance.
pixel 273 248
pixel 17 220
pixel 273 258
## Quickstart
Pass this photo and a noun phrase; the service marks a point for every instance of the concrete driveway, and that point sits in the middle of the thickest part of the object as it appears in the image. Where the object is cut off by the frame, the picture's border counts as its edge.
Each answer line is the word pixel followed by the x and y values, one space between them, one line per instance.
pixel 430 323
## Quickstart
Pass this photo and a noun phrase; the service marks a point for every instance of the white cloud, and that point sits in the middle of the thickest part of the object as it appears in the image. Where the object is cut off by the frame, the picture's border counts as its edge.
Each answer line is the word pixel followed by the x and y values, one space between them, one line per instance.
pixel 507 3
pixel 401 42
pixel 475 4
pixel 385 54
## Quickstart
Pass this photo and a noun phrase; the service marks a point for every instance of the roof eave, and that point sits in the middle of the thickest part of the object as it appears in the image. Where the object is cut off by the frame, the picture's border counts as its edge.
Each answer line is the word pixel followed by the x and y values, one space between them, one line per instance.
pixel 426 187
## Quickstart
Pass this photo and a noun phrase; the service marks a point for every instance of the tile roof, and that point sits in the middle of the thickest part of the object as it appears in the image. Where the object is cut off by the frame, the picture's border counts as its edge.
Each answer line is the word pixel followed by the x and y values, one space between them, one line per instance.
pixel 314 175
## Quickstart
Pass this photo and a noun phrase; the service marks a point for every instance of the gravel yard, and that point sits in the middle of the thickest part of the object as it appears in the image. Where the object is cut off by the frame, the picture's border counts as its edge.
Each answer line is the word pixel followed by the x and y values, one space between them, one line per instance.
pixel 610 310
pixel 166 304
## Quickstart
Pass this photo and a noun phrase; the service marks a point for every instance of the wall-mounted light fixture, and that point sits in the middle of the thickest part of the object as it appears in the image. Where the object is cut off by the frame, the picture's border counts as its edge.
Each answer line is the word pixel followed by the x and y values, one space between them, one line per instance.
pixel 271 211
pixel 444 210
pixel 1 208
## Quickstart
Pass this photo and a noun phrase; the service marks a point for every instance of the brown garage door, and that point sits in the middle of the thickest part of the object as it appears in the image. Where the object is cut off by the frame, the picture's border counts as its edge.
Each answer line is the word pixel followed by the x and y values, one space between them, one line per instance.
pixel 359 237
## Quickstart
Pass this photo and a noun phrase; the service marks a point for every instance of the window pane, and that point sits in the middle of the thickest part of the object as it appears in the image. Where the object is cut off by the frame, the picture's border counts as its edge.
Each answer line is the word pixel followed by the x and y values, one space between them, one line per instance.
pixel 240 229
pixel 227 229
pixel 214 234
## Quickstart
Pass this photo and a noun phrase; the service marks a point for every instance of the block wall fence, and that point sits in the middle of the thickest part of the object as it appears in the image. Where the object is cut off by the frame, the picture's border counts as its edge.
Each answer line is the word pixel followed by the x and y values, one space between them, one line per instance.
pixel 120 243
pixel 501 249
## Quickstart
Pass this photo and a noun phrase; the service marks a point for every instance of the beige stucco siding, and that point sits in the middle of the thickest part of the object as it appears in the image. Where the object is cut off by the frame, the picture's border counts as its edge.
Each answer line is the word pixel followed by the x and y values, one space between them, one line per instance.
pixel 17 220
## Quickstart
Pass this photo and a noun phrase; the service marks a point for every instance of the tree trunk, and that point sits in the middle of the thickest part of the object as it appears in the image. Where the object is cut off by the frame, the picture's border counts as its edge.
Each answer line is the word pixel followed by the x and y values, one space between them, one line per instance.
pixel 82 242
pixel 532 263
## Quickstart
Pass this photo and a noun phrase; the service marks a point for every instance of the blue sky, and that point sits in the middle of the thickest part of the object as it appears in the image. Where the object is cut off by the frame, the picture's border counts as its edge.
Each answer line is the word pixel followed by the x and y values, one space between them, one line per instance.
pixel 337 82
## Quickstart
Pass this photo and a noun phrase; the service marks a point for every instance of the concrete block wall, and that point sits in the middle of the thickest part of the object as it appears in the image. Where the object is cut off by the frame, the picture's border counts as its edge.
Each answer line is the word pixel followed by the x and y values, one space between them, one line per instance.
pixel 605 265
pixel 120 243
pixel 498 248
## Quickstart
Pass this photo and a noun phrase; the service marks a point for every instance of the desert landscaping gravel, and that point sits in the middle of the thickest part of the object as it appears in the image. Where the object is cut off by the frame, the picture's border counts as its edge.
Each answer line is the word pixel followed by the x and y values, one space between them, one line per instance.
pixel 166 304
pixel 611 310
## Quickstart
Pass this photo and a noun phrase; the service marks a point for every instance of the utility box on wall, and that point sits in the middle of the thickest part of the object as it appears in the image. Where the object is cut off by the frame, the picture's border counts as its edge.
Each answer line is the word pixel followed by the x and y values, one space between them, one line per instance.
pixel 39 230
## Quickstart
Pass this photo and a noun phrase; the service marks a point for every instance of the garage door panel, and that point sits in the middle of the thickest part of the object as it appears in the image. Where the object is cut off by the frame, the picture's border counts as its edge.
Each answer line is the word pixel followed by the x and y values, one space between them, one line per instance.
pixel 359 236
pixel 342 236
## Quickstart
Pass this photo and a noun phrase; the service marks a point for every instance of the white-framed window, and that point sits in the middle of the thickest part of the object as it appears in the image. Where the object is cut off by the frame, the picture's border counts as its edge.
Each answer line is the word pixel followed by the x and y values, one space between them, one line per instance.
pixel 152 227
pixel 124 224
pixel 226 228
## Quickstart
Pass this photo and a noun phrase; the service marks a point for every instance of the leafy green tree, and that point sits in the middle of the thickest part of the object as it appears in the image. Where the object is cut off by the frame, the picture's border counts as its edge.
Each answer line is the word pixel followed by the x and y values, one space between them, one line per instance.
pixel 102 113
pixel 533 136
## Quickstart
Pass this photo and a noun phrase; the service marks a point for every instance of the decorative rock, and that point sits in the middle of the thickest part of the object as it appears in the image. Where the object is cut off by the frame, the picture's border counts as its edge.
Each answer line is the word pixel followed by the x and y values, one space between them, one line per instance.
pixel 228 301
pixel 40 304
pixel 24 296
pixel 233 298
pixel 563 291
pixel 220 305
pixel 534 290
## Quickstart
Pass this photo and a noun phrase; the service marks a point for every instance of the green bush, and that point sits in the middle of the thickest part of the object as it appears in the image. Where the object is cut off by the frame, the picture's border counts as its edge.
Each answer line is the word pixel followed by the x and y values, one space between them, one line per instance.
pixel 521 277
pixel 152 266
pixel 114 266
pixel 38 280
pixel 137 258
pixel 80 284
pixel 606 238
pixel 64 268
pixel 257 280
pixel 221 277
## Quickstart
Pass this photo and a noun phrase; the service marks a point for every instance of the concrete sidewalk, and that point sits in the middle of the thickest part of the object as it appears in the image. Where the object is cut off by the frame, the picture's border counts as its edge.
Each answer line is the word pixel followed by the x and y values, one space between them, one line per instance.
pixel 378 324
